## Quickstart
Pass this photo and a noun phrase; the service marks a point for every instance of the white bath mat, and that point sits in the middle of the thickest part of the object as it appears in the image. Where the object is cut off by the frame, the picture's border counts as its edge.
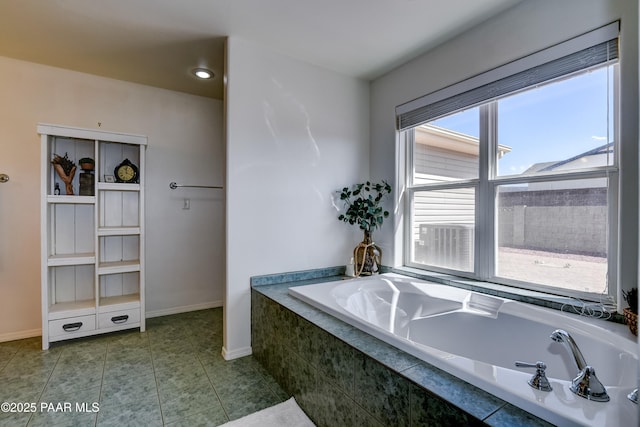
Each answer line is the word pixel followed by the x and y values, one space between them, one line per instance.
pixel 283 414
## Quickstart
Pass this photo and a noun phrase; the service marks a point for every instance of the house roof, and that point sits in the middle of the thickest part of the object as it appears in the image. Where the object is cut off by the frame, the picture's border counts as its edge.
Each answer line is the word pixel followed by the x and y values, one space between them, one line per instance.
pixel 587 157
pixel 451 140
pixel 591 158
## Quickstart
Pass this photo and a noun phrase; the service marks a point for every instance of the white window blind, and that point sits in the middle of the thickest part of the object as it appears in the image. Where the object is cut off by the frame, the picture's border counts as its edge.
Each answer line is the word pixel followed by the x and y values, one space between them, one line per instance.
pixel 588 50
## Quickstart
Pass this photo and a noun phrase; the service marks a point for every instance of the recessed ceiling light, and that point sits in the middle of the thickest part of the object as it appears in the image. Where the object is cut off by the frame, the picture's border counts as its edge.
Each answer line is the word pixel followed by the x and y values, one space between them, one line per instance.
pixel 202 73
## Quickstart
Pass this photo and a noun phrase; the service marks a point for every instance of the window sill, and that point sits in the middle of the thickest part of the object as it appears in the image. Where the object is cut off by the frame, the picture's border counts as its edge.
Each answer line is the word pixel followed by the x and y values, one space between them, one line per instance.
pixel 556 302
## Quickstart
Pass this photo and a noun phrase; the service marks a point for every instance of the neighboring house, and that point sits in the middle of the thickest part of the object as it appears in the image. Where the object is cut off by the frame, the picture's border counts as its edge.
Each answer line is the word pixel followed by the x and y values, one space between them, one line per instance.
pixel 600 156
pixel 444 155
pixel 545 216
pixel 443 220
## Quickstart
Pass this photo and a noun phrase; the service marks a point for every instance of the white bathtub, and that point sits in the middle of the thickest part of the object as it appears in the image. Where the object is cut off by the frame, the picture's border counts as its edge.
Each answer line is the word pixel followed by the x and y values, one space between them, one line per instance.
pixel 478 338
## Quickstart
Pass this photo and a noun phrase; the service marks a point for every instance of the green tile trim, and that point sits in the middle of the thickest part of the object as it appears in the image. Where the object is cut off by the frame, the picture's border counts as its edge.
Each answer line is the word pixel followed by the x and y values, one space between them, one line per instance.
pixel 294 276
pixel 288 338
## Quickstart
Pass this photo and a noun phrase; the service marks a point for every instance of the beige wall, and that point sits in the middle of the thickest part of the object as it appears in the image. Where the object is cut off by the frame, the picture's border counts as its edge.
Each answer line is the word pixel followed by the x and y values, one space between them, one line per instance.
pixel 185 248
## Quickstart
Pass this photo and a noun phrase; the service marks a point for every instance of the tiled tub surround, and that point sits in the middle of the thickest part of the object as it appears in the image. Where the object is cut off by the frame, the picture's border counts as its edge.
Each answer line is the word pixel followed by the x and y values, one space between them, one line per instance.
pixel 342 376
pixel 478 337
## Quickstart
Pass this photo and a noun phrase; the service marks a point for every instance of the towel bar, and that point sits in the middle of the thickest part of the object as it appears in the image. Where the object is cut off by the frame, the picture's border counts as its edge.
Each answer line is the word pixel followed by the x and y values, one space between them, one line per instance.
pixel 173 186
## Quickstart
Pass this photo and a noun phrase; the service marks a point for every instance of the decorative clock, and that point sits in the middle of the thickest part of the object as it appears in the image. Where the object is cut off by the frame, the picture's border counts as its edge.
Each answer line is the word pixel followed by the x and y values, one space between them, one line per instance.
pixel 126 172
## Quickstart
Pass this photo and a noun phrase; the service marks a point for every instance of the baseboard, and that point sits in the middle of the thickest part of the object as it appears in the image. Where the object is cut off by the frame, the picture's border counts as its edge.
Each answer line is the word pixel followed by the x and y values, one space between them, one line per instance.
pixel 241 352
pixel 183 309
pixel 20 335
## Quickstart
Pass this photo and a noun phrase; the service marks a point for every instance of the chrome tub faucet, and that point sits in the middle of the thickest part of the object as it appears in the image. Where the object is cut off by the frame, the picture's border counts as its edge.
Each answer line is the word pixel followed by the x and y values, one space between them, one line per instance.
pixel 586 384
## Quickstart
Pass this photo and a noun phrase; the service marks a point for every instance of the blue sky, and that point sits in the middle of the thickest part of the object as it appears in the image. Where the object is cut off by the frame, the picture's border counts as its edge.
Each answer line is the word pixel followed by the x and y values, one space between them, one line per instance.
pixel 551 122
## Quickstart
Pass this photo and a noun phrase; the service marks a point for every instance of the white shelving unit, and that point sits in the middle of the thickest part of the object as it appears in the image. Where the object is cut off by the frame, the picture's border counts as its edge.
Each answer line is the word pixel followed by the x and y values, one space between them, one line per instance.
pixel 93 275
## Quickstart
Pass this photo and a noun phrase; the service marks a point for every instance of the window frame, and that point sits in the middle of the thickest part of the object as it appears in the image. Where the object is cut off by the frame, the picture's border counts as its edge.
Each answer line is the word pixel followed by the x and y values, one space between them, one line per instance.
pixel 485 206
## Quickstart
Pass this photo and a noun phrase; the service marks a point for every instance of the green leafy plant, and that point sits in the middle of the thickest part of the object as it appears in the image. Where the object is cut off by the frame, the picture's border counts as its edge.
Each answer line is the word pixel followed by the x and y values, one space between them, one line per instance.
pixel 363 203
pixel 631 297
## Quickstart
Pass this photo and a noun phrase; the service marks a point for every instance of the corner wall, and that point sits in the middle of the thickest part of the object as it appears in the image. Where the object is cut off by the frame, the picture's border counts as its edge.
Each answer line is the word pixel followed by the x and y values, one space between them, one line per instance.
pixel 185 248
pixel 295 133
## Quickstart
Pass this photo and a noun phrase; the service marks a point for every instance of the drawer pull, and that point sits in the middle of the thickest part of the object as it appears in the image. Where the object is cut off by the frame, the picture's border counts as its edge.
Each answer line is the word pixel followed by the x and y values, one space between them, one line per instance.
pixel 120 319
pixel 72 327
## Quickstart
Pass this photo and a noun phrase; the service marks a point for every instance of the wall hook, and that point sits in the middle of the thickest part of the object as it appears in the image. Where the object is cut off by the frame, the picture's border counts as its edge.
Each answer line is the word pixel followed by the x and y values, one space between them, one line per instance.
pixel 4 177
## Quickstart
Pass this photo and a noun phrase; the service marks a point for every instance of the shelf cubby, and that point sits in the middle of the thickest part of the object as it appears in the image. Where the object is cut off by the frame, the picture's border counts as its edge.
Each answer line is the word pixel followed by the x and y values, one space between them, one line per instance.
pixel 75 149
pixel 71 231
pixel 117 285
pixel 111 155
pixel 71 290
pixel 119 248
pixel 119 209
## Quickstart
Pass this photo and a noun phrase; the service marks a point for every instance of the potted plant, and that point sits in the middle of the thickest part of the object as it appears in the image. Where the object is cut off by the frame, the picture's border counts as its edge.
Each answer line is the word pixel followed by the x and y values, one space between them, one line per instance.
pixel 363 207
pixel 631 312
pixel 86 163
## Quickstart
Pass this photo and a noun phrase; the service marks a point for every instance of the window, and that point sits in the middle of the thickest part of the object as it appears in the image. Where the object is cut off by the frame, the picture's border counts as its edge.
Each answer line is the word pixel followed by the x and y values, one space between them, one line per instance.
pixel 513 175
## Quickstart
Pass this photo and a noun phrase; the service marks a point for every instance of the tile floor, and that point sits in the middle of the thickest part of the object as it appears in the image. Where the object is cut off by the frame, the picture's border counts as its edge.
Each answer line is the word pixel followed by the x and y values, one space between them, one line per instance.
pixel 171 375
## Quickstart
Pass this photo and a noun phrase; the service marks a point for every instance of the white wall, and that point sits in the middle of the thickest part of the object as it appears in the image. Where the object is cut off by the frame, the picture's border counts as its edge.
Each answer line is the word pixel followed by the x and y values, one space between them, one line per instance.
pixel 295 133
pixel 528 27
pixel 185 249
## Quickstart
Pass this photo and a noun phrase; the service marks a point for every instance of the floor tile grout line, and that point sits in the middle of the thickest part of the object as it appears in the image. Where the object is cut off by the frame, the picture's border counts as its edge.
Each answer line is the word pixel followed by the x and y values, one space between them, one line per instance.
pixel 104 367
pixel 206 372
pixel 10 359
pixel 255 372
pixel 265 380
pixel 15 353
pixel 102 382
pixel 196 352
pixel 155 377
pixel 47 382
pixel 146 346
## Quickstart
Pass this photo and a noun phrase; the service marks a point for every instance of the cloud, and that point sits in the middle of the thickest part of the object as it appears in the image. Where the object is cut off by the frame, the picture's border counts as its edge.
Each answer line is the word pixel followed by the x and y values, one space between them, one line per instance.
pixel 599 138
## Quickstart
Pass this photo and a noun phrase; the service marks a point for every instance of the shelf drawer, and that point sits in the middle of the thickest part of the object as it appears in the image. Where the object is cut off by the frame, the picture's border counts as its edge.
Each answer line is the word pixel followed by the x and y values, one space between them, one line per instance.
pixel 118 318
pixel 72 325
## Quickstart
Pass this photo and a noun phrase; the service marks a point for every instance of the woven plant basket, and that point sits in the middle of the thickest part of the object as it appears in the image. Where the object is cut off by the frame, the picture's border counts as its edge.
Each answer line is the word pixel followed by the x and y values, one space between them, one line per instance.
pixel 631 319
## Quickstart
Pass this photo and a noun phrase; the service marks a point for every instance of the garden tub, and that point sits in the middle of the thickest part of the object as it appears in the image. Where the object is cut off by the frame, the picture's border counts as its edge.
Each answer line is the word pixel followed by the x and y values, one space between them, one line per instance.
pixel 479 337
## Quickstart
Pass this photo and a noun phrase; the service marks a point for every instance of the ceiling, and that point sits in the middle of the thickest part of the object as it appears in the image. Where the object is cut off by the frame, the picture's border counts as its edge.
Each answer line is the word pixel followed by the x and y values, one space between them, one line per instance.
pixel 158 42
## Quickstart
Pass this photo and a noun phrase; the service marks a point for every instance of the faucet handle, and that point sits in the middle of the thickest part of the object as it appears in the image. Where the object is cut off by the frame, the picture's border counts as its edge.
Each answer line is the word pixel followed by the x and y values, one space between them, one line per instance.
pixel 539 380
pixel 587 385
